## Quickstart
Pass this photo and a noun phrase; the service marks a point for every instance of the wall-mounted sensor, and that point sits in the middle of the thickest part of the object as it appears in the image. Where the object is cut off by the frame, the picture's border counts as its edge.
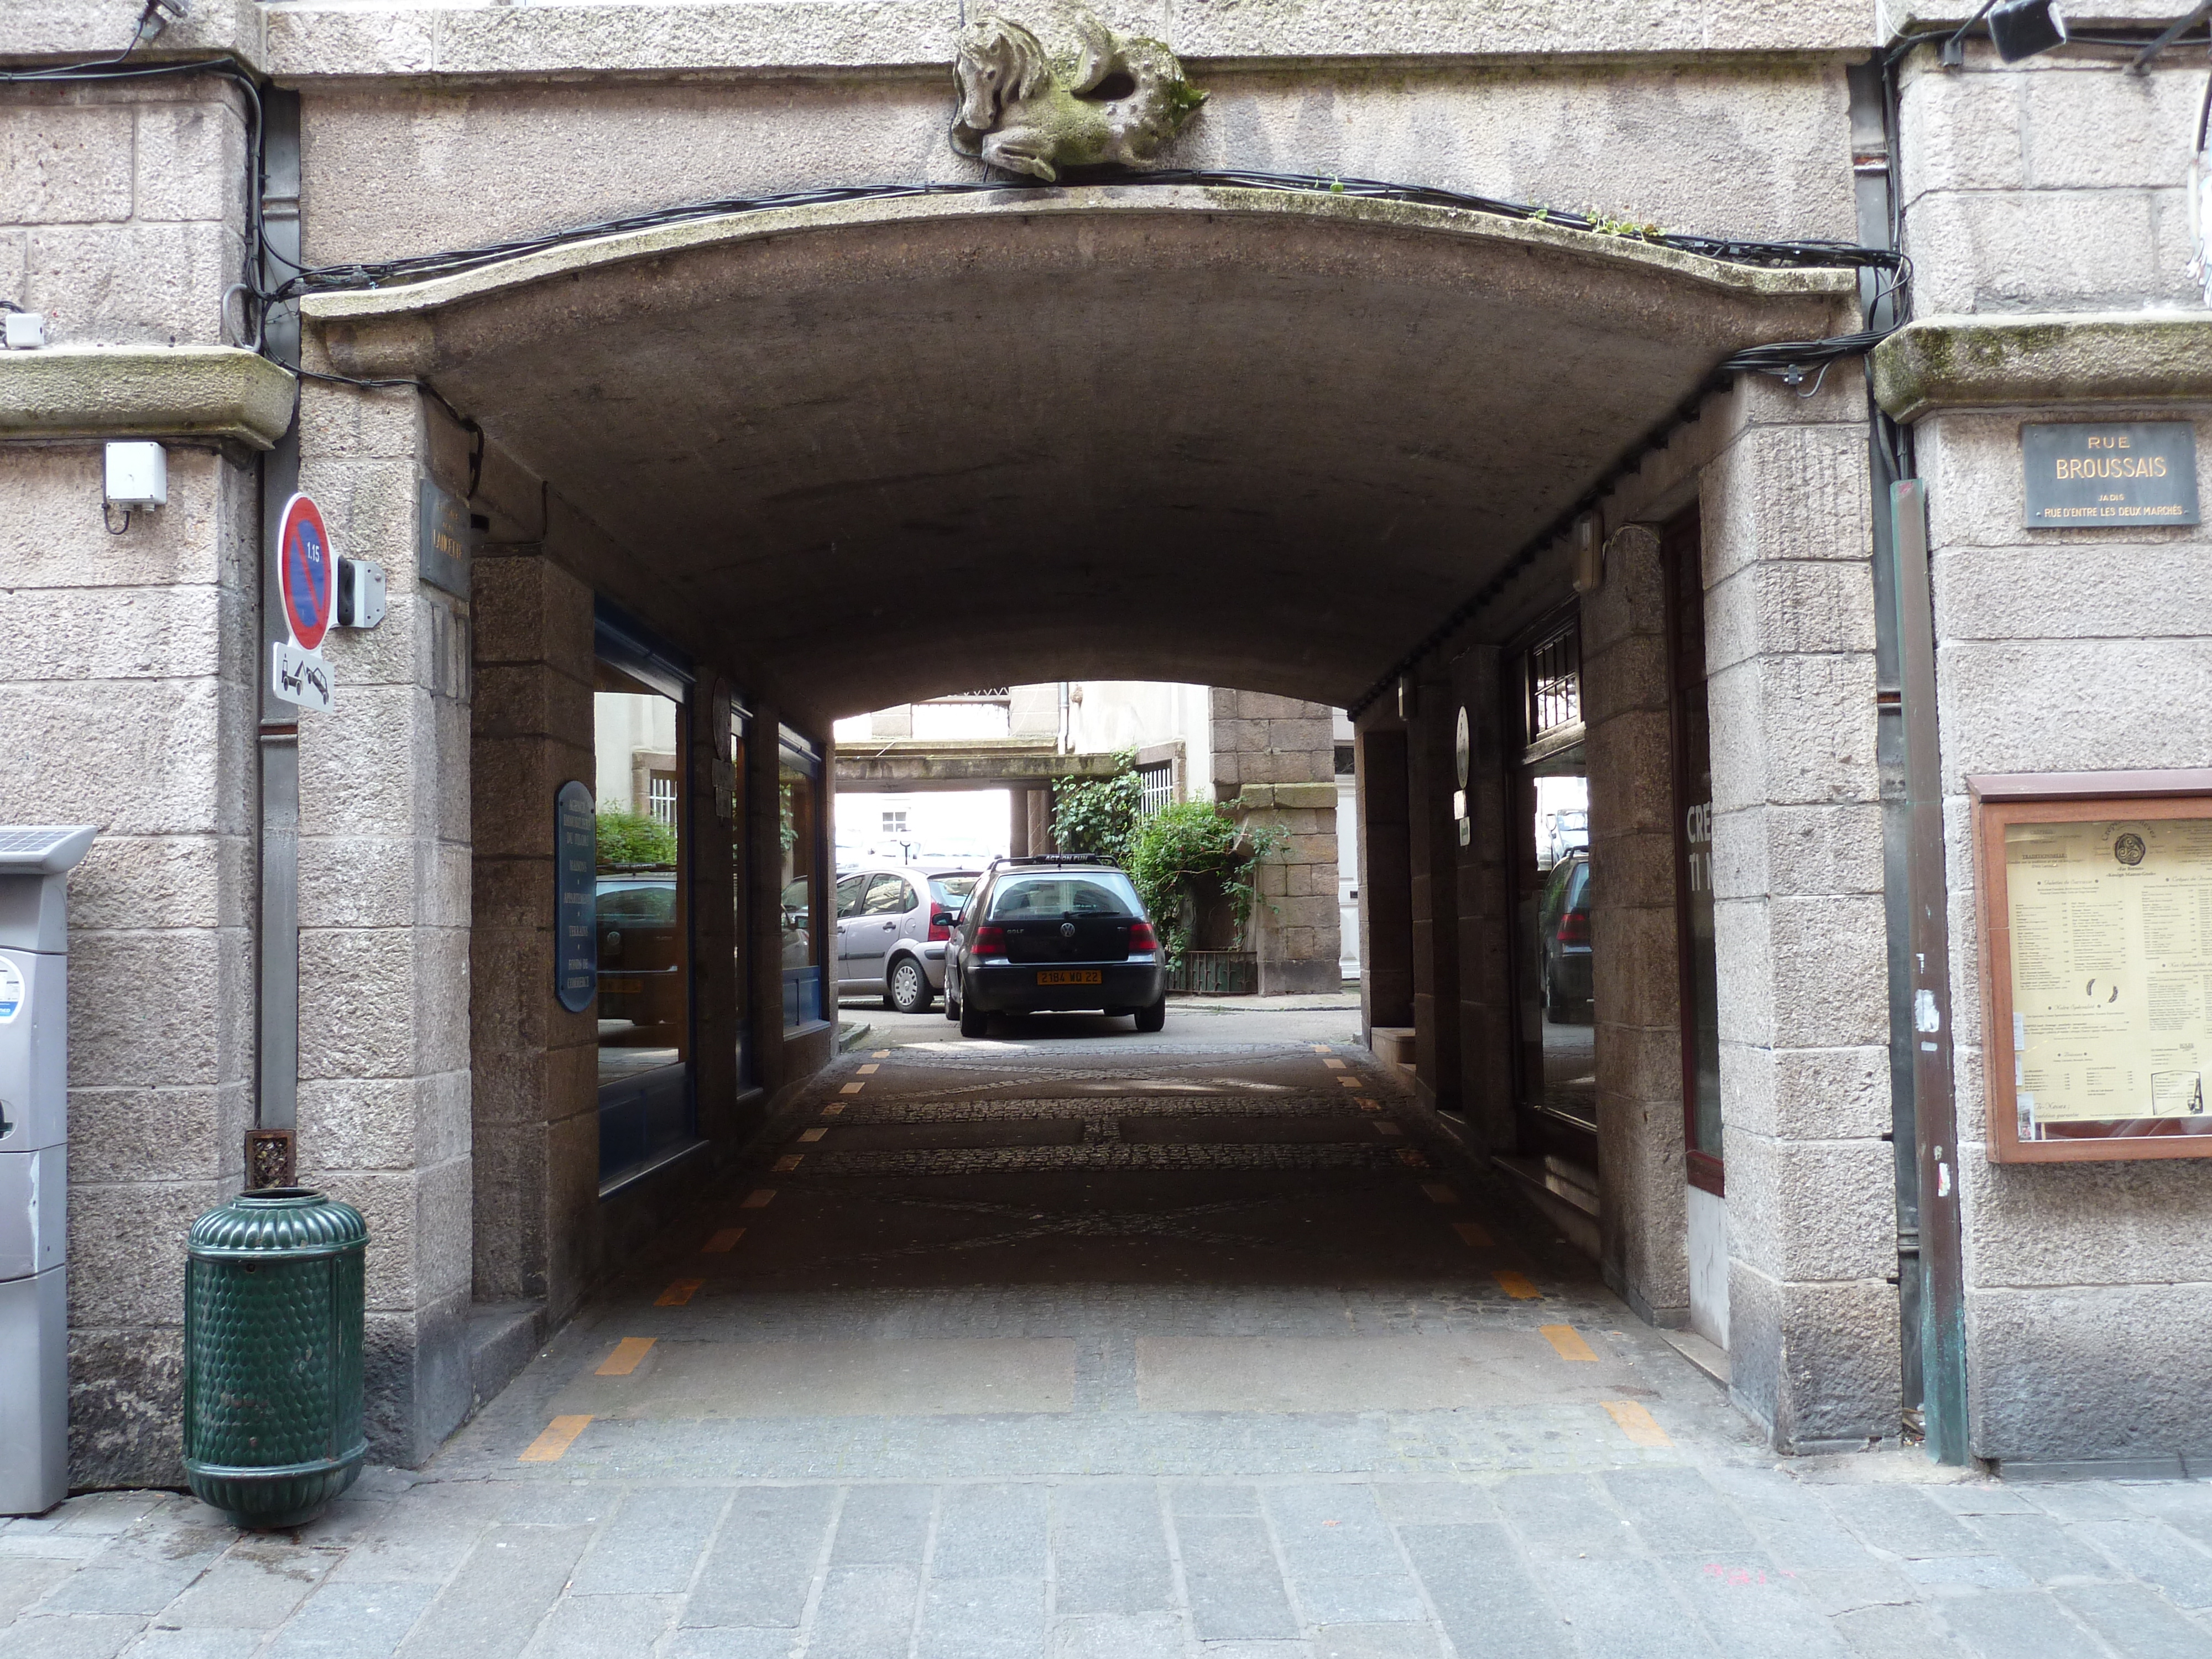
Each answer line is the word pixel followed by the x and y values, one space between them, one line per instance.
pixel 26 330
pixel 361 594
pixel 137 476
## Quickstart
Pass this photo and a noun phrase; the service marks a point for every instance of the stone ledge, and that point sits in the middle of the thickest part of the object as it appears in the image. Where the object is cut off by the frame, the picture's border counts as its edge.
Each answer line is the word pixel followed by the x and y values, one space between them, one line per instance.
pixel 1258 797
pixel 1995 362
pixel 144 391
pixel 314 40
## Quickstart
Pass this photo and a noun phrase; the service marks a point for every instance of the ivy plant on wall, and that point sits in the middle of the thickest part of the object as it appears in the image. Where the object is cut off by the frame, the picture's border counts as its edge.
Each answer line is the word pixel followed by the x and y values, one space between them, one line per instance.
pixel 1098 815
pixel 1186 856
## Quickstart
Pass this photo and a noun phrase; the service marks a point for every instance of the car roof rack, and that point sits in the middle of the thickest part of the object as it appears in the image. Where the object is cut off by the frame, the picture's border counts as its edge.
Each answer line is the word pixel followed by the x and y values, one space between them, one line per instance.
pixel 1092 860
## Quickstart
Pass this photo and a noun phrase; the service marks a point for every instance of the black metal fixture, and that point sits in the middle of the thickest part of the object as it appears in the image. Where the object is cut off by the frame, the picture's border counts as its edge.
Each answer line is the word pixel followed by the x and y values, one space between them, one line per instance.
pixel 2018 28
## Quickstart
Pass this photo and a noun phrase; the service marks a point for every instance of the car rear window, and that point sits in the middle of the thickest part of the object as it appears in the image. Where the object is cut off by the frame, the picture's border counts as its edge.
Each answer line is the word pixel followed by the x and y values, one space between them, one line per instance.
pixel 1104 893
pixel 951 891
pixel 651 902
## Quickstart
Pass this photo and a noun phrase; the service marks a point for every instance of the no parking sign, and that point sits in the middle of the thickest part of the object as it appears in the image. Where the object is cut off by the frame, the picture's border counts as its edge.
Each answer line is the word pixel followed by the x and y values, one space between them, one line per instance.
pixel 308 577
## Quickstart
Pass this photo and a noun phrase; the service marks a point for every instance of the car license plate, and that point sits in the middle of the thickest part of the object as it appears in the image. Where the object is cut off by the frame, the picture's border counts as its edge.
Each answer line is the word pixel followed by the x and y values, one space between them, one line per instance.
pixel 1070 976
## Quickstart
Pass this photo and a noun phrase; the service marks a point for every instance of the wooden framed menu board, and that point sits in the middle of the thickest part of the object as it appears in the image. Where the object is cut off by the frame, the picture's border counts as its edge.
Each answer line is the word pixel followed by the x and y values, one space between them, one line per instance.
pixel 2096 926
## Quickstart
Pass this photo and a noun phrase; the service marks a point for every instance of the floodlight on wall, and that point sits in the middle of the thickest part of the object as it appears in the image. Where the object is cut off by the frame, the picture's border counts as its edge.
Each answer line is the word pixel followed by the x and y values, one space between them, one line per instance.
pixel 2024 28
pixel 2018 28
pixel 158 15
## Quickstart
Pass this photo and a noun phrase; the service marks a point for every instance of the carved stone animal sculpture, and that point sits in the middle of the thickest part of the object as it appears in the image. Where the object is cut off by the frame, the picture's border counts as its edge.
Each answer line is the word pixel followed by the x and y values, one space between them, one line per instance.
pixel 1126 97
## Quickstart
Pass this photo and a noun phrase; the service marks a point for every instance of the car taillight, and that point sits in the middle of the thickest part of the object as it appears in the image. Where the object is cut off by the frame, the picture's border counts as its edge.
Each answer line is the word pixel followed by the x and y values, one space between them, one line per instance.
pixel 990 940
pixel 1573 928
pixel 1141 938
pixel 940 926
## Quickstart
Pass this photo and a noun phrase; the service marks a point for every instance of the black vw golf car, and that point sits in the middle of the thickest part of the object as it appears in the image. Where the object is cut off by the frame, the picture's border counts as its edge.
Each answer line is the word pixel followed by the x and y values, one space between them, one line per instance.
pixel 1058 933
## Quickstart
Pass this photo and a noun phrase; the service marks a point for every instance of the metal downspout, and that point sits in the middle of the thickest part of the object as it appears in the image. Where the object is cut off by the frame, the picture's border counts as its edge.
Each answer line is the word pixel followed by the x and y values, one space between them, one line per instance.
pixel 1915 889
pixel 278 943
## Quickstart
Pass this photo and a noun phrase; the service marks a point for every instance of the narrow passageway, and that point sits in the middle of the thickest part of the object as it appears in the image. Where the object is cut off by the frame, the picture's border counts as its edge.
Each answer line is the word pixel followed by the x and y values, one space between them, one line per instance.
pixel 1069 1249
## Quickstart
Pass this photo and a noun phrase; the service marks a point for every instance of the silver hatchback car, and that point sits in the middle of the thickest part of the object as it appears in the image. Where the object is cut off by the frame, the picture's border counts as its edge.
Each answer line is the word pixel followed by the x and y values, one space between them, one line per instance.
pixel 892 924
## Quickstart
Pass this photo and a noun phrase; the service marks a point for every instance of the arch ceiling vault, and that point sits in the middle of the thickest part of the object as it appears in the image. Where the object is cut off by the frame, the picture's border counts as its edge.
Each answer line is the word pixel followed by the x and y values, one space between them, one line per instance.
pixel 899 447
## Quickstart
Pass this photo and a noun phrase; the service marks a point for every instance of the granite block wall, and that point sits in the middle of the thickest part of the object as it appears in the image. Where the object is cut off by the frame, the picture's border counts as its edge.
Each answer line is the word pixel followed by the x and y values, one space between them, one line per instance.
pixel 127 671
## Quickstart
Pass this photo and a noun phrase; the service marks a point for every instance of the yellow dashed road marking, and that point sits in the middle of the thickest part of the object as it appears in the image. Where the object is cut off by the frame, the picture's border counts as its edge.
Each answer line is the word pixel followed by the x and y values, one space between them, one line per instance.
pixel 787 1163
pixel 1516 1285
pixel 560 1434
pixel 623 1360
pixel 833 1108
pixel 1470 1234
pixel 722 1242
pixel 1387 1128
pixel 1365 1104
pixel 1352 1083
pixel 759 1199
pixel 1635 1423
pixel 1334 1065
pixel 881 1054
pixel 1569 1342
pixel 1440 1193
pixel 811 1135
pixel 1321 1048
pixel 870 1069
pixel 678 1293
pixel 852 1088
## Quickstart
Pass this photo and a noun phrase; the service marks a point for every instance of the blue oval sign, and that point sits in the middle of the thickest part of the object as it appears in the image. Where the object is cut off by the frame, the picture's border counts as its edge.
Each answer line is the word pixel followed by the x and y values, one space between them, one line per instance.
pixel 575 893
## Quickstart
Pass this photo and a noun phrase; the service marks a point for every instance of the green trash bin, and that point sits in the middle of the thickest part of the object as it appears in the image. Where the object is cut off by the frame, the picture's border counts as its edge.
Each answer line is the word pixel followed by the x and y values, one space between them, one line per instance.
pixel 273 1428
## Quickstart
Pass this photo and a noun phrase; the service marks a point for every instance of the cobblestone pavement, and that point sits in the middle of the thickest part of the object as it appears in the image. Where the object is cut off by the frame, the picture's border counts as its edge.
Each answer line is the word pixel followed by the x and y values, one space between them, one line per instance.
pixel 1279 1378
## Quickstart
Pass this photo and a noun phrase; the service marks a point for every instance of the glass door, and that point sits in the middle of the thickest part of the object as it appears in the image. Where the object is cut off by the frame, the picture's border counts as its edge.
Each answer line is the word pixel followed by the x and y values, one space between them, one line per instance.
pixel 1555 894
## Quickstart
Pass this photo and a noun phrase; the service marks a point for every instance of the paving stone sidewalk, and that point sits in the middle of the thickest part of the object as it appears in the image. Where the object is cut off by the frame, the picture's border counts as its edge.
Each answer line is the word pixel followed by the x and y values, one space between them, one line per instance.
pixel 1355 1408
pixel 1638 1562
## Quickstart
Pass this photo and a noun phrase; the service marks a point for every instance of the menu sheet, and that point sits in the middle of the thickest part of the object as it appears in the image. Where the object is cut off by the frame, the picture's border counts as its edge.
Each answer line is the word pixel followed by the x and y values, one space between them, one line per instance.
pixel 2111 970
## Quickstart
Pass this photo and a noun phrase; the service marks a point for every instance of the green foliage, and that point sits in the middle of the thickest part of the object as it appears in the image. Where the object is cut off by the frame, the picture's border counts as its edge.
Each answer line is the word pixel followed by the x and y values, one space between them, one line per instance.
pixel 1605 223
pixel 1185 856
pixel 633 838
pixel 1097 815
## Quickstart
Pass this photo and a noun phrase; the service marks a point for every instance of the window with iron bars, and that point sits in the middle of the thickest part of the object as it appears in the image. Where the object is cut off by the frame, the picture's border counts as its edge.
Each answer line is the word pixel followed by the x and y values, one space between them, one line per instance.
pixel 1555 683
pixel 660 797
pixel 1158 781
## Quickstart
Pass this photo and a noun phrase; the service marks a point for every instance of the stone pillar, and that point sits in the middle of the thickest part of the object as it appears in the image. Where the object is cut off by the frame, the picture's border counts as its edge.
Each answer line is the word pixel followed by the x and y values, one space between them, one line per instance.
pixel 1432 847
pixel 1484 906
pixel 1017 827
pixel 1642 1208
pixel 1039 802
pixel 1386 894
pixel 1798 926
pixel 1274 764
pixel 385 911
pixel 535 1084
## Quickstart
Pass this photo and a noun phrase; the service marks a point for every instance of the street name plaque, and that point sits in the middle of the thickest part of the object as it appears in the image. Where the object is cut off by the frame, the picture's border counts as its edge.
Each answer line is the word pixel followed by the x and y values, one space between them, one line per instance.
pixel 2109 474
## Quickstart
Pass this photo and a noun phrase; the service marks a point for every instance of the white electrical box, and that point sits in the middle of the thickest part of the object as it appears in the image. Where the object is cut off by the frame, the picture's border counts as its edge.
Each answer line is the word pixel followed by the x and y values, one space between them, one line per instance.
pixel 137 475
pixel 35 860
pixel 361 594
pixel 27 330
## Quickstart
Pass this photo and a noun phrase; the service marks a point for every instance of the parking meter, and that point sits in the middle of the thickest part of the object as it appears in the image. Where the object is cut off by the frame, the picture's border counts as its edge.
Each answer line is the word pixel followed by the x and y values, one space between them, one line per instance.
pixel 34 866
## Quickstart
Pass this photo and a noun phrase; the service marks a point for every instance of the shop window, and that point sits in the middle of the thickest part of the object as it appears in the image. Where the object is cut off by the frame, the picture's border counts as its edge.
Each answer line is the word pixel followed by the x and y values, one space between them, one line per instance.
pixel 643 914
pixel 798 790
pixel 1692 732
pixel 740 883
pixel 1558 895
